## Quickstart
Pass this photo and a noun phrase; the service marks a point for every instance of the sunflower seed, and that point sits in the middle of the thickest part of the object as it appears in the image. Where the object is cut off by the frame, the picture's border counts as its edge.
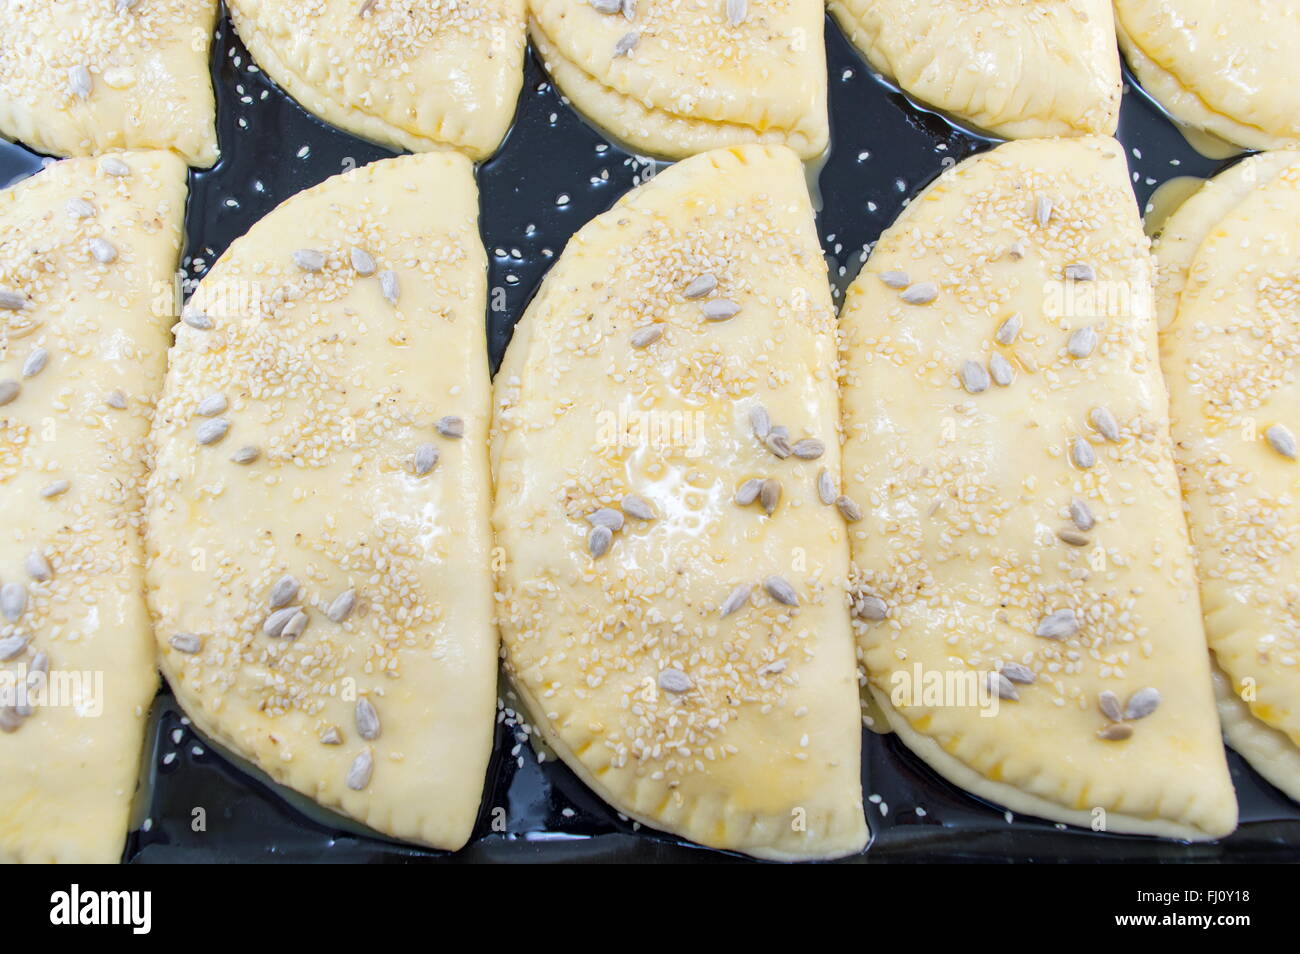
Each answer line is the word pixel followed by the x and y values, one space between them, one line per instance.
pixel 426 458
pixel 1018 673
pixel 1082 342
pixel 367 719
pixel 80 209
pixel 102 251
pixel 808 449
pixel 40 663
pixel 11 719
pixel 1074 538
pixel 848 509
pixel 1116 732
pixel 701 286
pixel 1105 423
pixel 113 166
pixel 1082 454
pixel 275 623
pixel 116 399
pixel 196 319
pixel 38 568
pixel 12 301
pixel 11 646
pixel 366 7
pixel 297 623
pixel 760 422
pixel 359 773
pixel 331 736
pixel 341 608
pixel 1009 330
pixel 1281 440
pixel 363 263
pixel 9 389
pixel 1080 272
pixel 737 10
pixel 606 517
pixel 55 489
pixel 922 293
pixel 749 491
pixel 1108 703
pixel 781 591
pixel 607 6
pixel 1059 625
pixel 309 260
pixel 973 377
pixel 1002 687
pixel 1081 514
pixel 645 336
pixel 36 362
pixel 246 454
pixel 871 608
pixel 283 592
pixel 450 426
pixel 674 680
pixel 13 601
pixel 719 309
pixel 778 444
pixel 186 643
pixel 1000 369
pixel 1142 703
pixel 895 279
pixel 626 43
pixel 629 9
pixel 211 431
pixel 389 287
pixel 826 490
pixel 769 495
pixel 598 541
pixel 212 405
pixel 1042 211
pixel 638 507
pixel 736 599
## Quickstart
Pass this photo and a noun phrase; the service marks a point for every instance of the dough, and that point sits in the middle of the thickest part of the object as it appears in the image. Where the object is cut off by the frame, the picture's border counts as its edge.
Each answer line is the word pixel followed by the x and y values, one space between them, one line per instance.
pixel 409 74
pixel 1227 68
pixel 1230 356
pixel 303 460
pixel 88 256
pixel 620 402
pixel 695 74
pixel 82 77
pixel 1015 68
pixel 1007 436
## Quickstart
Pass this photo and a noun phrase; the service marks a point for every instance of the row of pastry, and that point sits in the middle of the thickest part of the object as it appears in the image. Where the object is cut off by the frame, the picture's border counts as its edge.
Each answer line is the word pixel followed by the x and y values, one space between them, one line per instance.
pixel 668 77
pixel 699 508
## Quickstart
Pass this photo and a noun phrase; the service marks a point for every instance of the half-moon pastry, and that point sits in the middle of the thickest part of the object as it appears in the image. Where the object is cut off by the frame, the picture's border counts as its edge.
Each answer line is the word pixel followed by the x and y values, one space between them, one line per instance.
pixel 408 74
pixel 673 590
pixel 87 252
pixel 1228 69
pixel 318 515
pixel 1026 603
pixel 672 79
pixel 82 77
pixel 1015 68
pixel 1230 355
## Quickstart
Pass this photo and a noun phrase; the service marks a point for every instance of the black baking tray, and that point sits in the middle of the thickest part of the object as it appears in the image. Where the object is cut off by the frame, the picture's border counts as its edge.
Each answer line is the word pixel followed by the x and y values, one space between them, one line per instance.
pixel 553 174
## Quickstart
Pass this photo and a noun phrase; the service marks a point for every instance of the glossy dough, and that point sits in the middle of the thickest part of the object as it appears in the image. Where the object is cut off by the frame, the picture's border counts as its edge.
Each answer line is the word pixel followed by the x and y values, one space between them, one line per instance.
pixel 338 389
pixel 146 83
pixel 410 74
pixel 1016 68
pixel 1227 68
pixel 694 80
pixel 1230 355
pixel 760 754
pixel 68 772
pixel 966 490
